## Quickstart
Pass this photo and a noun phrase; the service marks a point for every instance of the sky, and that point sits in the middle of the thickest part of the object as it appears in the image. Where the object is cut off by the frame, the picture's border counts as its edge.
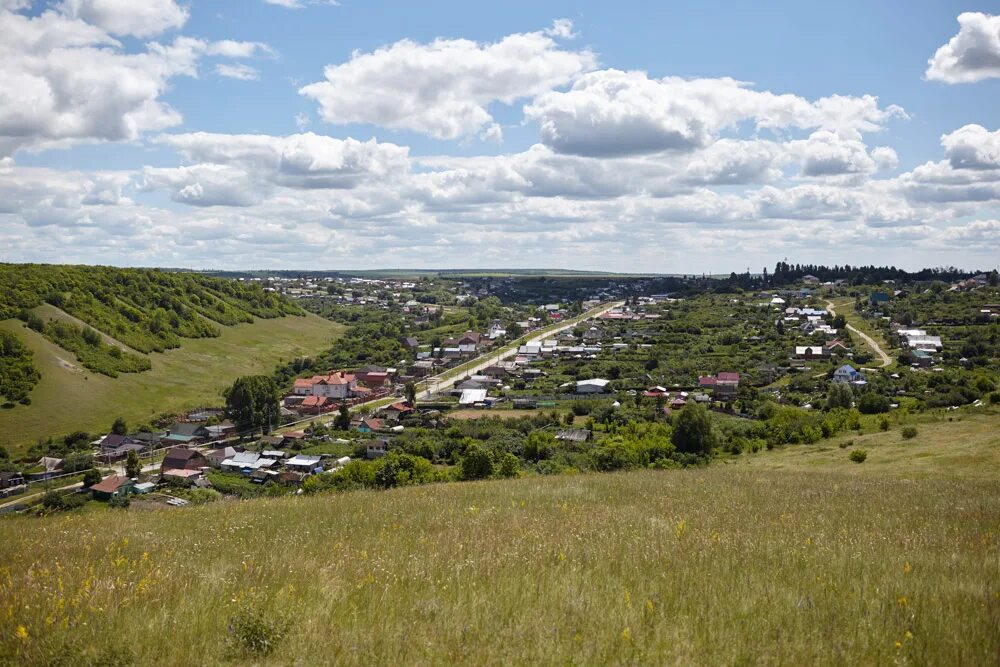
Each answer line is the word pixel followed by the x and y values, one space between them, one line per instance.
pixel 627 136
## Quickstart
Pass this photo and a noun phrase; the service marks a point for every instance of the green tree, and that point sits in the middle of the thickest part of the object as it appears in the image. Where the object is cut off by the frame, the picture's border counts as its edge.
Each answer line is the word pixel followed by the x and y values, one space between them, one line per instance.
pixel 693 431
pixel 343 420
pixel 252 402
pixel 839 396
pixel 476 464
pixel 91 477
pixel 132 465
pixel 119 427
pixel 411 393
pixel 508 466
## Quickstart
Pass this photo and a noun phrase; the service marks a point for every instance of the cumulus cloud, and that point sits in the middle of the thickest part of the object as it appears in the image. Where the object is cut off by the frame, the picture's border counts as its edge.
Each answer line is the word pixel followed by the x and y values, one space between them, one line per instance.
pixel 445 88
pixel 972 147
pixel 611 112
pixel 299 160
pixel 64 79
pixel 971 55
pixel 128 17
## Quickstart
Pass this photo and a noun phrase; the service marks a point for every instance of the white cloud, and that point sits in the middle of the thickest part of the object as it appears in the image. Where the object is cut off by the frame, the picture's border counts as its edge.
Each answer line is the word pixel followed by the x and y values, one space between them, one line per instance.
pixel 139 18
pixel 445 88
pixel 299 4
pixel 611 112
pixel 237 71
pixel 299 160
pixel 971 55
pixel 63 81
pixel 972 147
pixel 229 48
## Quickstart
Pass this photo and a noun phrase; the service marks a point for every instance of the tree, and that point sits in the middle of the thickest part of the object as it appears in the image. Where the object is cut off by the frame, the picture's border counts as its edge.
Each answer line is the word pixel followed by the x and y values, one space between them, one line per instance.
pixel 476 464
pixel 132 465
pixel 343 420
pixel 693 432
pixel 119 427
pixel 839 396
pixel 509 466
pixel 91 477
pixel 252 402
pixel 411 393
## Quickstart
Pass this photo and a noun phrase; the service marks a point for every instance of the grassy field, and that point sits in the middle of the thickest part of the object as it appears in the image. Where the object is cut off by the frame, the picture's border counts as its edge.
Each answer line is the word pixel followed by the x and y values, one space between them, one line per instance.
pixel 787 560
pixel 968 446
pixel 70 398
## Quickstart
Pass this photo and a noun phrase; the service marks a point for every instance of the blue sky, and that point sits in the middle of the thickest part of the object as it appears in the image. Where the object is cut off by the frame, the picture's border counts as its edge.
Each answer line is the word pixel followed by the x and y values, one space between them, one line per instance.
pixel 627 136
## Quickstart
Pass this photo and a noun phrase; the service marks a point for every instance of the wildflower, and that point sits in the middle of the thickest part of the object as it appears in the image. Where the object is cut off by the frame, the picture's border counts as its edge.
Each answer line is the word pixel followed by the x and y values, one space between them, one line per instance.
pixel 22 633
pixel 626 635
pixel 909 635
pixel 903 601
pixel 899 645
pixel 649 607
pixel 907 568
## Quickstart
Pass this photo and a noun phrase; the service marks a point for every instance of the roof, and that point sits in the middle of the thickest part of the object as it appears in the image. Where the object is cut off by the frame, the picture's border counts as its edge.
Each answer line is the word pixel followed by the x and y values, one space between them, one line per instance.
pixel 300 460
pixel 400 406
pixel 471 396
pixel 180 472
pixel 573 434
pixel 186 428
pixel 113 440
pixel 729 377
pixel 109 484
pixel 596 382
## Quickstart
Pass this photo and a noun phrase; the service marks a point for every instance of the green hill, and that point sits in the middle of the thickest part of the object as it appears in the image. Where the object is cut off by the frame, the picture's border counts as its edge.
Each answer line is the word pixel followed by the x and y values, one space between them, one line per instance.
pixel 730 564
pixel 137 343
pixel 68 397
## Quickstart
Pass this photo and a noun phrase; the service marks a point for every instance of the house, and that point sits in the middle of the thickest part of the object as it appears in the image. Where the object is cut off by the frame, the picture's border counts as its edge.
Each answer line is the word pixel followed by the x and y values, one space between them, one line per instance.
pixel 10 479
pixel 707 382
pixel 183 433
pixel 411 343
pixel 472 396
pixel 217 456
pixel 810 352
pixel 573 435
pixel 220 430
pixel 144 487
pixel 370 425
pixel 847 373
pixel 397 410
pixel 835 346
pixel 243 461
pixel 112 487
pixel 810 279
pixel 262 476
pixel 182 477
pixel 922 358
pixel 592 386
pixel 727 385
pixel 376 448
pixel 179 458
pixel 876 299
pixel 303 463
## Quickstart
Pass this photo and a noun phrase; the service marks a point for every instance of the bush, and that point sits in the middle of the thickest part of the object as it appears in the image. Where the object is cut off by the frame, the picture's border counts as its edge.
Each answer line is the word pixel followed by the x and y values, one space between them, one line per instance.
pixel 883 424
pixel 858 455
pixel 909 432
pixel 253 632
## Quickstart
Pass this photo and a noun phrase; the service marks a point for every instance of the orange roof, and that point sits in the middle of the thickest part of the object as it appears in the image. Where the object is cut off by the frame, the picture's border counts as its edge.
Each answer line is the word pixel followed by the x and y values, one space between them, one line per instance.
pixel 340 377
pixel 110 484
pixel 304 383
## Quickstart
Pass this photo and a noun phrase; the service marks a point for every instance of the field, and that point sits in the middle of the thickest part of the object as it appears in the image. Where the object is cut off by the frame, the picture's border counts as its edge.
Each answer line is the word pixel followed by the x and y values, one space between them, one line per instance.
pixel 792 559
pixel 70 398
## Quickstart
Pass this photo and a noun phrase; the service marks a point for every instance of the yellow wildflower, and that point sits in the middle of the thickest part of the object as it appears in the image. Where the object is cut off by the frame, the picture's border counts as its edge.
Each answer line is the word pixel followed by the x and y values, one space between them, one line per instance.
pixel 22 633
pixel 626 635
pixel 903 601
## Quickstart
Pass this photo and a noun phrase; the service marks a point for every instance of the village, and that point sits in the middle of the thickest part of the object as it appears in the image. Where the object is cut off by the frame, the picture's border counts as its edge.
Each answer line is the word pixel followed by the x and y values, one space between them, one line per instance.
pixel 575 369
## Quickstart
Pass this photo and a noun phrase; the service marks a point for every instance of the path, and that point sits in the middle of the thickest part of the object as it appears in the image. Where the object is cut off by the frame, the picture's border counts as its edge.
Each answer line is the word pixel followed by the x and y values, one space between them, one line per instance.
pixel 886 359
pixel 433 385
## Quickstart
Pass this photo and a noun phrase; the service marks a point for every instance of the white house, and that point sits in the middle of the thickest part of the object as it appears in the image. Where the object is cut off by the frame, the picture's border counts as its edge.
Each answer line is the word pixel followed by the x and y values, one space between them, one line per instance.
pixel 592 386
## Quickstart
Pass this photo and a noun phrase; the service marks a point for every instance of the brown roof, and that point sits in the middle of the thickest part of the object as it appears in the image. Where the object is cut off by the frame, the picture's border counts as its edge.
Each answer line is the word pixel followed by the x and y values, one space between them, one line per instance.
pixel 109 485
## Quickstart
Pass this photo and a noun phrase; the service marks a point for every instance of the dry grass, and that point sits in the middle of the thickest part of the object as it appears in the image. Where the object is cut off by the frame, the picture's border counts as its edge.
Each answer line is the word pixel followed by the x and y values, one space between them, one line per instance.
pixel 723 565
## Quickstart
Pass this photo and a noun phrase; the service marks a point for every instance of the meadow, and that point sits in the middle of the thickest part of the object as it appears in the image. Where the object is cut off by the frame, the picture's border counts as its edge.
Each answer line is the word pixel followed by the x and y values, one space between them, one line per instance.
pixel 730 564
pixel 69 397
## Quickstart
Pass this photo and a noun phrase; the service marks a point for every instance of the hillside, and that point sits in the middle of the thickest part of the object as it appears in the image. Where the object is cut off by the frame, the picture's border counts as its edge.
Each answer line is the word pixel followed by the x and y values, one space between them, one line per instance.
pixel 69 398
pixel 718 565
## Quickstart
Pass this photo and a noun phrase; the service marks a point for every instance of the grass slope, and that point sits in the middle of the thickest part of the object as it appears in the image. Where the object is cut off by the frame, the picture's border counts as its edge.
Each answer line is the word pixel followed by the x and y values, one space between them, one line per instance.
pixel 70 398
pixel 725 565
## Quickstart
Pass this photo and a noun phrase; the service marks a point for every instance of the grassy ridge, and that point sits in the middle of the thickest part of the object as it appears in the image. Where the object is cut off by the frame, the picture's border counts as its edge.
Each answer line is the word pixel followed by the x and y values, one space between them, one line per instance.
pixel 713 566
pixel 70 398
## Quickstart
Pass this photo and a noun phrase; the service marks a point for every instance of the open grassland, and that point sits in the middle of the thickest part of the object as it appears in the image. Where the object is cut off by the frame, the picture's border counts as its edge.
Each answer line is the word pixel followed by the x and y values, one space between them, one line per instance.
pixel 964 443
pixel 70 398
pixel 724 565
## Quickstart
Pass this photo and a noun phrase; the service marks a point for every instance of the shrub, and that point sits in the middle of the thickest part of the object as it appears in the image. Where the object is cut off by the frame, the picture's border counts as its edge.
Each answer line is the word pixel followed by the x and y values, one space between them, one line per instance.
pixel 909 432
pixel 883 424
pixel 858 455
pixel 253 632
pixel 508 465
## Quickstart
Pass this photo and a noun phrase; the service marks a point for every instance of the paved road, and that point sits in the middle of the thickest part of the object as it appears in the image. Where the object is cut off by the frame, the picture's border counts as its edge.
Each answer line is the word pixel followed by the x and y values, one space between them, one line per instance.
pixel 886 359
pixel 434 386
